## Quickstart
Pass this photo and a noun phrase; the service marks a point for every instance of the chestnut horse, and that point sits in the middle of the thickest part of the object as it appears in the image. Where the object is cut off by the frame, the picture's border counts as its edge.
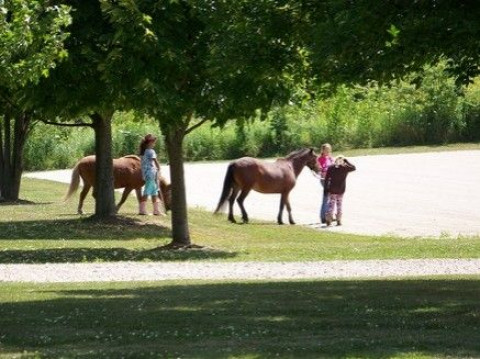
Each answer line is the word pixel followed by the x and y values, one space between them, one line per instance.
pixel 249 173
pixel 127 173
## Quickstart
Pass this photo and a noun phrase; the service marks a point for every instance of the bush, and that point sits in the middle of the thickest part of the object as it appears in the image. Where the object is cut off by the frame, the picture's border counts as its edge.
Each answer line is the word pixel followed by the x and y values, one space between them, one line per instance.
pixel 402 114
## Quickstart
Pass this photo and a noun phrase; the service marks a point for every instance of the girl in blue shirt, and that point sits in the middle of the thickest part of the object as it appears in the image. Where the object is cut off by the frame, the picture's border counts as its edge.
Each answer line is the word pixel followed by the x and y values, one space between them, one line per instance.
pixel 150 174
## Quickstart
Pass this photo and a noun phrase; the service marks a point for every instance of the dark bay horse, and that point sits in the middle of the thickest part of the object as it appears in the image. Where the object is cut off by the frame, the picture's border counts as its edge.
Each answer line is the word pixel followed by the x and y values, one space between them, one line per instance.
pixel 127 173
pixel 249 173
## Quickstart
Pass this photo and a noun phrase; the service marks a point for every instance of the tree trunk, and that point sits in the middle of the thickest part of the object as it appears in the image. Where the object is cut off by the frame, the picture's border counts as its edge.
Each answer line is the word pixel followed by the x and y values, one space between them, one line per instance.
pixel 174 144
pixel 104 191
pixel 11 160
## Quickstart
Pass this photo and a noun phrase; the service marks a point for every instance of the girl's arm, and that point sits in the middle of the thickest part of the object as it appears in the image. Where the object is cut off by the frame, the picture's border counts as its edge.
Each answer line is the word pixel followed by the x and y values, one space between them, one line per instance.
pixel 156 164
pixel 351 167
pixel 326 186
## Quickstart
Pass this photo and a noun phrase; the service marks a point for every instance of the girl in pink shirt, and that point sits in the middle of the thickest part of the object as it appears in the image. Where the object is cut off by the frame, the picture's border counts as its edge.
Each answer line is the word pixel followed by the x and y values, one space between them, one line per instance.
pixel 325 160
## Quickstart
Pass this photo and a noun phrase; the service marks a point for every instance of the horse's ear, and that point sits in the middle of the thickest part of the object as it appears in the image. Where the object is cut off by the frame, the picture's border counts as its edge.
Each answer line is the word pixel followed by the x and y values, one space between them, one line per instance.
pixel 311 150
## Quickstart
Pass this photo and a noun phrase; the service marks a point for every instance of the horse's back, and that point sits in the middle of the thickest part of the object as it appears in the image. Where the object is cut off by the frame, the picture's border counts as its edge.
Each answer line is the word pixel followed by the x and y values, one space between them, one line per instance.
pixel 127 172
pixel 263 176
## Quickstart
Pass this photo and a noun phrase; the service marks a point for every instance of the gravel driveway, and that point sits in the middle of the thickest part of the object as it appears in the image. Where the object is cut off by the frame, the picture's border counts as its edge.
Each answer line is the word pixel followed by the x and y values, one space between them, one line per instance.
pixel 429 194
pixel 158 271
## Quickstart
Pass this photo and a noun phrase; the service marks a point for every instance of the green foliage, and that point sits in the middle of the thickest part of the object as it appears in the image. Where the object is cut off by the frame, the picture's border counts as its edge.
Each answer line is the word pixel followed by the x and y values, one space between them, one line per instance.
pixel 351 42
pixel 54 147
pixel 32 34
pixel 359 117
pixel 470 113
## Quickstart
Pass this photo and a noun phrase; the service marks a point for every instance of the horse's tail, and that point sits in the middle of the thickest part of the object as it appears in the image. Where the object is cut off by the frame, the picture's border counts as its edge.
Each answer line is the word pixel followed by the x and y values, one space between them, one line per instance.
pixel 74 182
pixel 166 192
pixel 227 187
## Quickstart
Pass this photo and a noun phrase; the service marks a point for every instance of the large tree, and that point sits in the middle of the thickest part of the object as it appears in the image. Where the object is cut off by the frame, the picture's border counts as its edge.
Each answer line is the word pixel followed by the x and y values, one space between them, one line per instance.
pixel 78 93
pixel 364 40
pixel 197 61
pixel 212 60
pixel 32 34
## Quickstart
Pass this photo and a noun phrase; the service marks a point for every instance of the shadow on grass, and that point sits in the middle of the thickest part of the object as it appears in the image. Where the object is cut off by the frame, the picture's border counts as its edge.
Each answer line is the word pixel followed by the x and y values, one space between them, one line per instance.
pixel 118 229
pixel 121 228
pixel 308 319
pixel 77 255
pixel 21 202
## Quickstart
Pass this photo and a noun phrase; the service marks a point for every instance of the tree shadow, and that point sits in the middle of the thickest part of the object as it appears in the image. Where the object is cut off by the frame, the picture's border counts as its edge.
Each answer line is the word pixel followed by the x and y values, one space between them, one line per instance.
pixel 115 229
pixel 79 255
pixel 82 228
pixel 306 319
pixel 21 202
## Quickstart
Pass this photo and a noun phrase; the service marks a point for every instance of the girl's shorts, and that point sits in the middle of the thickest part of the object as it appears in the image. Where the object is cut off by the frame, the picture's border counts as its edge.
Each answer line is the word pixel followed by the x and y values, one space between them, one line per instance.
pixel 151 188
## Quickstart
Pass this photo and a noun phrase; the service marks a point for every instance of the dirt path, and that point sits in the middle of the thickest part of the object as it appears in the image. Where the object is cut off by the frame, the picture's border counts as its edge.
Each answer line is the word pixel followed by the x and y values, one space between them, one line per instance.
pixel 428 194
pixel 158 271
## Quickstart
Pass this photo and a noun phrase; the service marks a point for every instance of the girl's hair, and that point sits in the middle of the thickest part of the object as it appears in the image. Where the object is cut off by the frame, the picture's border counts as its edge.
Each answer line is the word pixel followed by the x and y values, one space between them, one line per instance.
pixel 326 146
pixel 143 147
pixel 145 141
pixel 339 160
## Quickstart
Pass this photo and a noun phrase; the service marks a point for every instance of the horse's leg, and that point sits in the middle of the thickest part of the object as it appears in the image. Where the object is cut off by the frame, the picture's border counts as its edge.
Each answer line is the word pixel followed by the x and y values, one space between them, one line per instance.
pixel 285 201
pixel 138 192
pixel 125 194
pixel 289 209
pixel 240 200
pixel 231 201
pixel 83 194
pixel 280 211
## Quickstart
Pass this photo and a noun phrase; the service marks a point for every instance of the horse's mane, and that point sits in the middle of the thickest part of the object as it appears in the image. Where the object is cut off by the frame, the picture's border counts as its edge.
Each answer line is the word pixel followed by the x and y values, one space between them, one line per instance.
pixel 296 153
pixel 132 156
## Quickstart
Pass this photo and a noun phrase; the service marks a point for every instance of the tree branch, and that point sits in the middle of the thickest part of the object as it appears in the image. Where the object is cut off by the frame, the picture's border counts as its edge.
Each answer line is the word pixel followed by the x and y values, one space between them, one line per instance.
pixel 78 124
pixel 198 124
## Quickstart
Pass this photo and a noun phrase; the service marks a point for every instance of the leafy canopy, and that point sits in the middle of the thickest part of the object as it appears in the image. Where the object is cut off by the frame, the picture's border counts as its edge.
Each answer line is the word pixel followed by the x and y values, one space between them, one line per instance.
pixel 215 59
pixel 32 34
pixel 363 40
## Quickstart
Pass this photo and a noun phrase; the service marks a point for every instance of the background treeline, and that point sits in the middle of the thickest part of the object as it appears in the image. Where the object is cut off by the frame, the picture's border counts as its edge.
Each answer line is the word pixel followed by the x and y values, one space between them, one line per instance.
pixel 437 112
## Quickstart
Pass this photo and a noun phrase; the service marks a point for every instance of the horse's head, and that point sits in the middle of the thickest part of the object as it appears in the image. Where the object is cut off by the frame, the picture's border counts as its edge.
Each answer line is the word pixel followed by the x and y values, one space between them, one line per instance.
pixel 304 157
pixel 311 160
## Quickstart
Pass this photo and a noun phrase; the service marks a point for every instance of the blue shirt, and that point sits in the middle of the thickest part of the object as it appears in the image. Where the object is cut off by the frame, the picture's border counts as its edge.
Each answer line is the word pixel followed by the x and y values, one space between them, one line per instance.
pixel 149 170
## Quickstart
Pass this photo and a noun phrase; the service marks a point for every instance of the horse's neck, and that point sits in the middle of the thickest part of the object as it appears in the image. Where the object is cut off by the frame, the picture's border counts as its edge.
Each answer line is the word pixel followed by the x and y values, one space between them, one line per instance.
pixel 297 165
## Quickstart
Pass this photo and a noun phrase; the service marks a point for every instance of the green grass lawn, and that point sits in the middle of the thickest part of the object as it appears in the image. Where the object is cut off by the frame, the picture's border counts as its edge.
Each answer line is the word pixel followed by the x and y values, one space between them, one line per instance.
pixel 407 318
pixel 43 229
pixel 415 318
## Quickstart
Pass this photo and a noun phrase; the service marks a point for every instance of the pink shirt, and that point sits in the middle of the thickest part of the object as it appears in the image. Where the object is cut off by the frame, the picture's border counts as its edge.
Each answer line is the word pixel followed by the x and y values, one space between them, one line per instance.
pixel 324 161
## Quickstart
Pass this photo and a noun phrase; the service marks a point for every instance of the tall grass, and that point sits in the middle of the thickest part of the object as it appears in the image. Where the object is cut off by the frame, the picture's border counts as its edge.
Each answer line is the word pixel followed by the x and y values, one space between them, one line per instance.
pixel 437 112
pixel 53 147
